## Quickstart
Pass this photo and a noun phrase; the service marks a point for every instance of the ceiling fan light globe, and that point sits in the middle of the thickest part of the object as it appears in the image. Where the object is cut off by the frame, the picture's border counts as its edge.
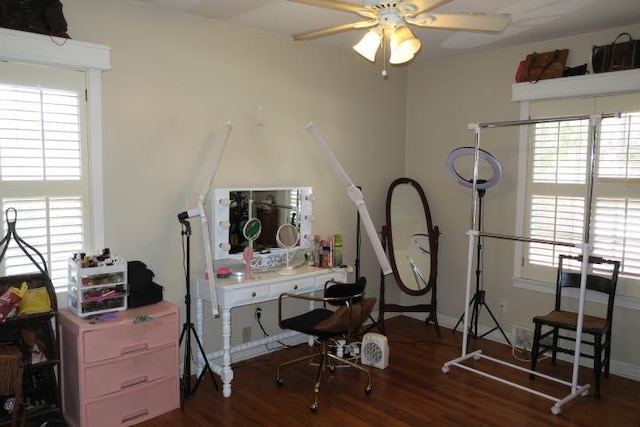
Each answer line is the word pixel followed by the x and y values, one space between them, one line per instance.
pixel 368 45
pixel 403 45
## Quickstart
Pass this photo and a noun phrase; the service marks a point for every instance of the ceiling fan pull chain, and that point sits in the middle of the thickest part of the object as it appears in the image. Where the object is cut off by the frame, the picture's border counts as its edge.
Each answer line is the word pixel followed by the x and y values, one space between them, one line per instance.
pixel 384 54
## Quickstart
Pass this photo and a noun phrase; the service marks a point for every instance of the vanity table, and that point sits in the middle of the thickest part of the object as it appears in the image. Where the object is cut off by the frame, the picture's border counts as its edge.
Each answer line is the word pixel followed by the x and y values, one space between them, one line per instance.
pixel 264 286
pixel 245 220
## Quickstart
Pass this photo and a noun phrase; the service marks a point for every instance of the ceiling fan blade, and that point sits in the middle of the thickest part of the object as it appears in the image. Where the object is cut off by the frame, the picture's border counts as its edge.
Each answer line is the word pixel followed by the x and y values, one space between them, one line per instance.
pixel 423 6
pixel 333 30
pixel 330 4
pixel 463 21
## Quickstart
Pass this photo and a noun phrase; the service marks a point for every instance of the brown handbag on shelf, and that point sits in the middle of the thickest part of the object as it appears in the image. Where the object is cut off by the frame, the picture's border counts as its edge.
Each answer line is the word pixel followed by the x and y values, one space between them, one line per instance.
pixel 542 66
pixel 617 55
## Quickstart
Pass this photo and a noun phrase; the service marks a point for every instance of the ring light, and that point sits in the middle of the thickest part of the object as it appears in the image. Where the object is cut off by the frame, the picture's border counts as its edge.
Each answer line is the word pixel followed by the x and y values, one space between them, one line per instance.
pixel 416 238
pixel 481 184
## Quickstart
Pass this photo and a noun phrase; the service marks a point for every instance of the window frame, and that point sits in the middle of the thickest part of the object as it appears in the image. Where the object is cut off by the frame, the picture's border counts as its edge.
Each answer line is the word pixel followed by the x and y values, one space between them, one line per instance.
pixel 603 84
pixel 93 59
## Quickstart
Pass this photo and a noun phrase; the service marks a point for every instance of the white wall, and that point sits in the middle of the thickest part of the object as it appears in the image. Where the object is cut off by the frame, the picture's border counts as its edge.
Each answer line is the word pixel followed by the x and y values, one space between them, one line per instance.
pixel 176 79
pixel 444 96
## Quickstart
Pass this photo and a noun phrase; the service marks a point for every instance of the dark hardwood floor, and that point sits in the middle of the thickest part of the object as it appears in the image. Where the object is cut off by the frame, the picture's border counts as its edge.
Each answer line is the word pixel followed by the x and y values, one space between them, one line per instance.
pixel 412 391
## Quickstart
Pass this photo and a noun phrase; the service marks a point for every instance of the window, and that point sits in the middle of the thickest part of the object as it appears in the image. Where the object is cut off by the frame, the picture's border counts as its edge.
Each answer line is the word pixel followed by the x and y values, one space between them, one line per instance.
pixel 44 165
pixel 53 61
pixel 557 184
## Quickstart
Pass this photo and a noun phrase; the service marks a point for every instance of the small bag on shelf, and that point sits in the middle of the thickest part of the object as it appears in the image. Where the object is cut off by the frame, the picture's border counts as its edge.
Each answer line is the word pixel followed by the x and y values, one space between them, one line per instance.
pixel 542 66
pixel 578 70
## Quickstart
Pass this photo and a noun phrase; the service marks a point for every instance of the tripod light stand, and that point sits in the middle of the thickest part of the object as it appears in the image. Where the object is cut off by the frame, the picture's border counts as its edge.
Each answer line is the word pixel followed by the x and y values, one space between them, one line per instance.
pixel 356 197
pixel 188 328
pixel 478 300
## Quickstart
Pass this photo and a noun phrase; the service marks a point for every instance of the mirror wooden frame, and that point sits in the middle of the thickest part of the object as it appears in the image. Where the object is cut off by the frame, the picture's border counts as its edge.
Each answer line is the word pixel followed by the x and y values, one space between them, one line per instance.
pixel 433 233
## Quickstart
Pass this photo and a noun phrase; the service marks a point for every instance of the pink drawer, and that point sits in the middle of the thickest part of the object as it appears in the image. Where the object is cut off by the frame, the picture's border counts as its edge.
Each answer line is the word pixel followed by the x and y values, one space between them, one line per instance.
pixel 135 405
pixel 130 372
pixel 121 340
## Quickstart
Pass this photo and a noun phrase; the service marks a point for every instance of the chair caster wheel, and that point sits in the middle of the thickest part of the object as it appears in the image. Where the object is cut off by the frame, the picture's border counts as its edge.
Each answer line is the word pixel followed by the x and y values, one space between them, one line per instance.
pixel 314 407
pixel 555 410
pixel 367 390
pixel 279 381
pixel 445 369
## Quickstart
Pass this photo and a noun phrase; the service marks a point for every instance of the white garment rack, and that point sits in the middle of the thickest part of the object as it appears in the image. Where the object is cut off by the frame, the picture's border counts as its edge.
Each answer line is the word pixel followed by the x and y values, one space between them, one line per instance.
pixel 585 246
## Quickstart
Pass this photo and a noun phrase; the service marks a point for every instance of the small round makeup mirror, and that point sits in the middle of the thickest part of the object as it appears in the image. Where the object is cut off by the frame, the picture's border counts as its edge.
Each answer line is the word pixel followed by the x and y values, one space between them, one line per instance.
pixel 287 238
pixel 252 230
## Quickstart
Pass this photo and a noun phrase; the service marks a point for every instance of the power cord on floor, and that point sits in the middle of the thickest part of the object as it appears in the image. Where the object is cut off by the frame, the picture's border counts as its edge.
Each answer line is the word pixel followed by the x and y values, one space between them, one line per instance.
pixel 258 316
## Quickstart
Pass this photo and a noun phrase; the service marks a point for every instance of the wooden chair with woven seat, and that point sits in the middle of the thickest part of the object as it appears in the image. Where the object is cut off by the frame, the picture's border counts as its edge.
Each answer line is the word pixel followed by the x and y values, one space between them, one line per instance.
pixel 603 280
pixel 326 324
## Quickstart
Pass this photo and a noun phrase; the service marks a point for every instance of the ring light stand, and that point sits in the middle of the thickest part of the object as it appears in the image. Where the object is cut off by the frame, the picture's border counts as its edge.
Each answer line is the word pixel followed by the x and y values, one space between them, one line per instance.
pixel 478 301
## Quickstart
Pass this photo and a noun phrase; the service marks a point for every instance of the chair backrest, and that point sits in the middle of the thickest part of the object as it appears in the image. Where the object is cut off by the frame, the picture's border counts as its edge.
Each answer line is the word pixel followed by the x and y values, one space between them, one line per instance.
pixel 353 307
pixel 605 284
pixel 342 290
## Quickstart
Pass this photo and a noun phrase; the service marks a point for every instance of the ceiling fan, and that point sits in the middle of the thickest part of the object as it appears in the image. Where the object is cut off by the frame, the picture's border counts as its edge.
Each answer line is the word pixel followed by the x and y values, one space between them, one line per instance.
pixel 390 20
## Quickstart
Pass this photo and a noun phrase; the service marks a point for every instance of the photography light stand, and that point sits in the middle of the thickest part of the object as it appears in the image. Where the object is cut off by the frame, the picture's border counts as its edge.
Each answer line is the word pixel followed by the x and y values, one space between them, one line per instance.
pixel 188 328
pixel 356 197
pixel 478 301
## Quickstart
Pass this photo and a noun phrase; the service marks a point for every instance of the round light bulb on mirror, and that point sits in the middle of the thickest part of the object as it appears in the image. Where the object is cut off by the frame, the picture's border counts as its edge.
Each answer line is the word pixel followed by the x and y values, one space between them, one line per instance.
pixel 311 198
pixel 225 246
pixel 310 218
pixel 225 224
pixel 225 202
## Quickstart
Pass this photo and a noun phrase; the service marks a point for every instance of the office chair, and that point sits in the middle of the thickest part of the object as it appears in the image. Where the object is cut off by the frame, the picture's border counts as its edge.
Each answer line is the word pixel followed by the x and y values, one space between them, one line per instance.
pixel 353 309
pixel 599 328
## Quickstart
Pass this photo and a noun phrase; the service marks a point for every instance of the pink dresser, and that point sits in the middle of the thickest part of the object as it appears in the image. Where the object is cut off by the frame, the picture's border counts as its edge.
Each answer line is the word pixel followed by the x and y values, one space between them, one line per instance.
pixel 123 371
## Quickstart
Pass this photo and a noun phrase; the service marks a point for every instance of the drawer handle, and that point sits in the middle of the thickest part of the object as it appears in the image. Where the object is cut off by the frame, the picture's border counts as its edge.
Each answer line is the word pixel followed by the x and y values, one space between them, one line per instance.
pixel 134 348
pixel 253 294
pixel 134 381
pixel 134 415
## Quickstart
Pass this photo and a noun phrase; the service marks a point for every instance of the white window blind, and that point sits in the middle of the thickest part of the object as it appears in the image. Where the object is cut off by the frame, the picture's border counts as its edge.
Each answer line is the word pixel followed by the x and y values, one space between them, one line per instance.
pixel 557 187
pixel 43 165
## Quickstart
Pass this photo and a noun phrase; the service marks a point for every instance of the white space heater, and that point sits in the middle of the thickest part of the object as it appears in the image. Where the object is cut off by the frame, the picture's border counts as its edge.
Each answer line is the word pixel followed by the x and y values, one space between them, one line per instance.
pixel 375 350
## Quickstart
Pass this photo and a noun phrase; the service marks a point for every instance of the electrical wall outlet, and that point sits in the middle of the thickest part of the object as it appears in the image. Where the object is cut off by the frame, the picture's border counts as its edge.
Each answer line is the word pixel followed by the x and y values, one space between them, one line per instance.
pixel 522 337
pixel 246 334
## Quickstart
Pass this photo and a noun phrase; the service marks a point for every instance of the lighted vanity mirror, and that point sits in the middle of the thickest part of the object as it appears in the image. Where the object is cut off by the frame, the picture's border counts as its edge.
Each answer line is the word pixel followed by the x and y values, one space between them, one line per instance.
pixel 233 208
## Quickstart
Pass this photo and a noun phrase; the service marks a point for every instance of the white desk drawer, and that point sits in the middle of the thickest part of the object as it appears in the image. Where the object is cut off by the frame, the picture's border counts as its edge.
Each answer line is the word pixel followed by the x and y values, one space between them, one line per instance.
pixel 293 285
pixel 332 275
pixel 248 295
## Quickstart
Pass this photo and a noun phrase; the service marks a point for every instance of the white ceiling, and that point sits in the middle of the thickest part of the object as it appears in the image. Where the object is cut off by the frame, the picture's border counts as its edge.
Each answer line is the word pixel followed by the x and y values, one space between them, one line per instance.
pixel 533 20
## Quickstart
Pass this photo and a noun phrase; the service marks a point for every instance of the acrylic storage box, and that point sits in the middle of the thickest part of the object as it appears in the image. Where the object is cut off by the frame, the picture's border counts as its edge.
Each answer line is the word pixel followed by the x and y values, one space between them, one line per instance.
pixel 97 290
